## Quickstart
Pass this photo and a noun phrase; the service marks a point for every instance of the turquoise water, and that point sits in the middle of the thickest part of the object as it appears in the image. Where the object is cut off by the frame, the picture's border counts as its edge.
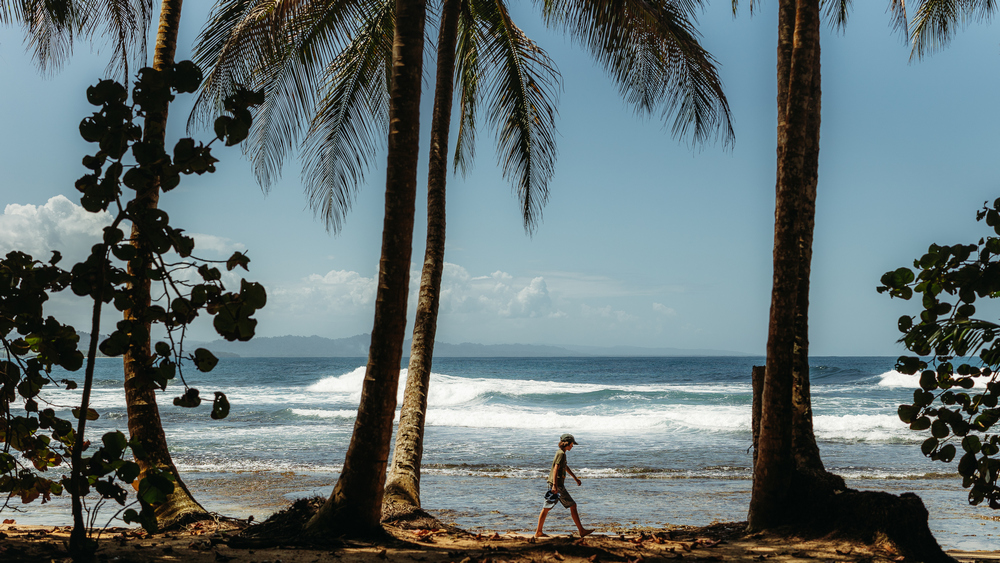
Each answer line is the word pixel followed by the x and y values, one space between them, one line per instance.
pixel 662 440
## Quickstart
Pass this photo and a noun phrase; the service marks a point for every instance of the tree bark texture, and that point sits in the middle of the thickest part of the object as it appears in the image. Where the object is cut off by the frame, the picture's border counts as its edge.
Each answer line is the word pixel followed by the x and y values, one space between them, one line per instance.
pixel 791 487
pixel 757 388
pixel 795 197
pixel 355 506
pixel 403 487
pixel 140 394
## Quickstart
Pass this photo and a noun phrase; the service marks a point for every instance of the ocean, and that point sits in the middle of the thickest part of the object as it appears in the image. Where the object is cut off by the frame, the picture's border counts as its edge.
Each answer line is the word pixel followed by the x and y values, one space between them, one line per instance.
pixel 662 440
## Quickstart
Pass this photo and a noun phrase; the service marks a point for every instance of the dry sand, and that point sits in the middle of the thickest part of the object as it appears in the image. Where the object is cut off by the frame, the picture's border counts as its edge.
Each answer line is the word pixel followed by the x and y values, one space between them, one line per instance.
pixel 214 543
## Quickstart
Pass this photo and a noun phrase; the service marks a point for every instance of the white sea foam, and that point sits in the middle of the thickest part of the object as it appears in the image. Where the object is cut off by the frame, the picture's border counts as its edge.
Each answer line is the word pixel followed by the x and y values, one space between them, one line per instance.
pixel 896 379
pixel 863 428
pixel 702 418
pixel 447 390
pixel 320 413
pixel 253 466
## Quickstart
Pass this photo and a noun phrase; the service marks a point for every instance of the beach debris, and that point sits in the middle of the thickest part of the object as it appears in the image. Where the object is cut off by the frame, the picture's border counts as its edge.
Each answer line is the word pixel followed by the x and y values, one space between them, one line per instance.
pixel 466 560
pixel 10 521
pixel 201 545
pixel 592 558
pixel 382 554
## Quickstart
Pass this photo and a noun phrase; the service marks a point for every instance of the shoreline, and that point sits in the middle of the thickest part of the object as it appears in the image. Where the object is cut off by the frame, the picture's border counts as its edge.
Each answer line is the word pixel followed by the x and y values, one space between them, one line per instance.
pixel 511 505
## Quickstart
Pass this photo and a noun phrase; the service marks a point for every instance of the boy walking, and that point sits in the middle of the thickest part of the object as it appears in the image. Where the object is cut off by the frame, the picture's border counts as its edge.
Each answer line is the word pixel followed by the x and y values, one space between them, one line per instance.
pixel 557 488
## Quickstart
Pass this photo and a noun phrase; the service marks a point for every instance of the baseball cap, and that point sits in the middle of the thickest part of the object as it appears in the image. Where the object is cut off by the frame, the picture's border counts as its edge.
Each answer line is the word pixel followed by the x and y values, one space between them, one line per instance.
pixel 568 438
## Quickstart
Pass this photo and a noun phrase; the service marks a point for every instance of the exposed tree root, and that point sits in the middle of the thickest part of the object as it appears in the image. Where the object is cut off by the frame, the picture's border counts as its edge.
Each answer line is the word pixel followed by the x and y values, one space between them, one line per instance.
pixel 405 516
pixel 825 507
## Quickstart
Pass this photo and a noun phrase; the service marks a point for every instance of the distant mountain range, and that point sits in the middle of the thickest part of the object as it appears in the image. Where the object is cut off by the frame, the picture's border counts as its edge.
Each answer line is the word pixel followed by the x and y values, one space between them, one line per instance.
pixel 357 347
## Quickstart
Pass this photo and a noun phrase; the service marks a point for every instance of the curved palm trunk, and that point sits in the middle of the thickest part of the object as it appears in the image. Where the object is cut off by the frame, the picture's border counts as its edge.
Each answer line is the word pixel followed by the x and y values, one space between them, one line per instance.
pixel 795 204
pixel 140 393
pixel 355 506
pixel 403 486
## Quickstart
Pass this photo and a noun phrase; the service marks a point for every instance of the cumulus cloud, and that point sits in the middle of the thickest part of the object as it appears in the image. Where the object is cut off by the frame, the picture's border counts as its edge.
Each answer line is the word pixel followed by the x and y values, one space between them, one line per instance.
pixel 498 294
pixel 59 225
pixel 336 291
pixel 664 310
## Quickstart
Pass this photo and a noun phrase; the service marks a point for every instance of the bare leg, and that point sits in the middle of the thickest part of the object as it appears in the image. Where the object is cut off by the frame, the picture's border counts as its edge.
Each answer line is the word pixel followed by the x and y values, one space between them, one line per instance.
pixel 541 522
pixel 576 520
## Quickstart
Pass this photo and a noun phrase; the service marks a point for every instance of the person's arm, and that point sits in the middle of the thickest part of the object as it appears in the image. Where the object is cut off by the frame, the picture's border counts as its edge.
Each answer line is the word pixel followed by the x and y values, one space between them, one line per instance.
pixel 571 474
pixel 552 478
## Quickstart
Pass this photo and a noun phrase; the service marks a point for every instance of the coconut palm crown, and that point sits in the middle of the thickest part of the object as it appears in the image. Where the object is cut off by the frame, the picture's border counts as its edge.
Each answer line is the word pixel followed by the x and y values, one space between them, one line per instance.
pixel 324 65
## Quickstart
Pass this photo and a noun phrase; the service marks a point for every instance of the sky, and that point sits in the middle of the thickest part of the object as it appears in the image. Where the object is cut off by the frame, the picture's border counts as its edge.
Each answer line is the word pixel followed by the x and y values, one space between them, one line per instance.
pixel 645 241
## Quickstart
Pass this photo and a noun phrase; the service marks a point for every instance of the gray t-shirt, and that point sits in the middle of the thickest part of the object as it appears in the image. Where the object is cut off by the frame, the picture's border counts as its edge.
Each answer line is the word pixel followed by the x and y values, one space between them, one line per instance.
pixel 558 473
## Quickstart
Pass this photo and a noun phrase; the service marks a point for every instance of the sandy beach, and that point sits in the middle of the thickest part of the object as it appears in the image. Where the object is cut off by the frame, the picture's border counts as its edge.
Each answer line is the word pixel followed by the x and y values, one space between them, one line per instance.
pixel 214 542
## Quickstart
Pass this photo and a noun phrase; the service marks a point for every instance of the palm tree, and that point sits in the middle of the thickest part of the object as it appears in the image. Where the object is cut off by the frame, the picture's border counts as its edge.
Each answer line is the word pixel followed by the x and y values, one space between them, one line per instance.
pixel 140 391
pixel 790 484
pixel 795 207
pixel 336 159
pixel 51 27
pixel 355 506
pixel 494 53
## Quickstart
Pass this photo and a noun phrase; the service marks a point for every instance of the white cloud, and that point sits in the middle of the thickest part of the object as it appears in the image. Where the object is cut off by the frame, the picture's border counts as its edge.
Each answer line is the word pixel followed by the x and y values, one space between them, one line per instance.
pixel 496 295
pixel 219 245
pixel 607 312
pixel 59 225
pixel 664 310
pixel 337 291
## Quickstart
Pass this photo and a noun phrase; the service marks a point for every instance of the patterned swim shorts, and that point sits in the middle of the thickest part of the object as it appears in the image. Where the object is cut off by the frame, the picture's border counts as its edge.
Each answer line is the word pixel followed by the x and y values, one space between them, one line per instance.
pixel 564 498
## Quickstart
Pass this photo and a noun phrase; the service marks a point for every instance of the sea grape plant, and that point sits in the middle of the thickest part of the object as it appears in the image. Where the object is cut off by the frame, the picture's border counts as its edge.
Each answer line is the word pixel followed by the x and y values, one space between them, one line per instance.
pixel 39 439
pixel 956 354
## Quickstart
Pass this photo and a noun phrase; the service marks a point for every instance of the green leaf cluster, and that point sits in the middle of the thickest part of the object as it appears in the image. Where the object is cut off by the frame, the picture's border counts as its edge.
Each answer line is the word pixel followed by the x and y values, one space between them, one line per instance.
pixel 957 401
pixel 34 440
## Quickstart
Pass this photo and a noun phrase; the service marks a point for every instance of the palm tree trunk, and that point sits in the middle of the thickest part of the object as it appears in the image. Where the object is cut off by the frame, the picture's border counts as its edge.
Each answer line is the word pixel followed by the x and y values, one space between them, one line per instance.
pixel 140 393
pixel 795 200
pixel 403 486
pixel 355 506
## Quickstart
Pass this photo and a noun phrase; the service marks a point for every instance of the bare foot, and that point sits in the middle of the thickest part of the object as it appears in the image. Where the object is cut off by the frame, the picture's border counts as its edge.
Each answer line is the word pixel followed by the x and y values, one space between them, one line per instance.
pixel 586 533
pixel 541 535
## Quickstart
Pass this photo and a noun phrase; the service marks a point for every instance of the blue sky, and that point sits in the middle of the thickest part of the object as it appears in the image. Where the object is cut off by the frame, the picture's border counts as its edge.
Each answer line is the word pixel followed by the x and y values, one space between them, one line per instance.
pixel 644 241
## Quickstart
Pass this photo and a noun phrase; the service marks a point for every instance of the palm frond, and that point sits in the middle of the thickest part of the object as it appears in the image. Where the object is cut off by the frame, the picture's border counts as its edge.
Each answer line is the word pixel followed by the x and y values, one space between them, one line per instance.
pixel 522 90
pixel 281 47
pixel 650 48
pixel 468 72
pixel 837 12
pixel 50 30
pixel 900 19
pixel 12 11
pixel 936 22
pixel 124 23
pixel 352 119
